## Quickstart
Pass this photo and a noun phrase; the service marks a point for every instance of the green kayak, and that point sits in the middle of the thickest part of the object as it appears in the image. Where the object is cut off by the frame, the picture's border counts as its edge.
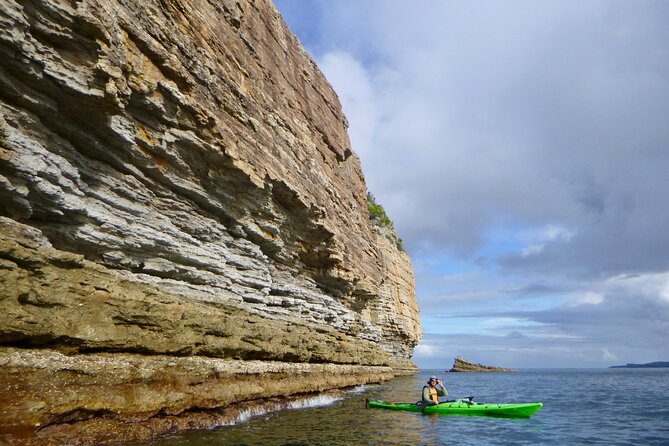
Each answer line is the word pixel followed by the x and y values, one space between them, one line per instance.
pixel 520 410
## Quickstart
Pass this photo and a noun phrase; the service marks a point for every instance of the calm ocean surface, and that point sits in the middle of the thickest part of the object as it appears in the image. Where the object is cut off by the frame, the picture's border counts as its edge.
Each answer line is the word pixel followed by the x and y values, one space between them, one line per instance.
pixel 602 407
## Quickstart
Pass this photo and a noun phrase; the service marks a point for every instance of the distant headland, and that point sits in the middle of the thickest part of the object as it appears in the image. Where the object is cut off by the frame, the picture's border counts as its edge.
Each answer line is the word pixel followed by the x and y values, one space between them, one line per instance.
pixel 650 365
pixel 462 365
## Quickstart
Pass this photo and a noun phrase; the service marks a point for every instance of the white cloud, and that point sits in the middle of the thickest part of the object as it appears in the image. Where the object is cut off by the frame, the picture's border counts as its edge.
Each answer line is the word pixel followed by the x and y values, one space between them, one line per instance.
pixel 608 356
pixel 494 324
pixel 424 350
pixel 664 294
pixel 538 239
pixel 585 298
pixel 651 286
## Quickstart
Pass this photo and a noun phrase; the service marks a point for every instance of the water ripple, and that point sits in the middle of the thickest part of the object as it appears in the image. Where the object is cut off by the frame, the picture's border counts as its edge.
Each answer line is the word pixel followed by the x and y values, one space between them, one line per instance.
pixel 581 407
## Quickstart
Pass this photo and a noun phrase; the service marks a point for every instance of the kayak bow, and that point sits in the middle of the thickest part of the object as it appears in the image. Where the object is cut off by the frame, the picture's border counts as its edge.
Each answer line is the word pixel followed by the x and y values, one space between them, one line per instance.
pixel 520 410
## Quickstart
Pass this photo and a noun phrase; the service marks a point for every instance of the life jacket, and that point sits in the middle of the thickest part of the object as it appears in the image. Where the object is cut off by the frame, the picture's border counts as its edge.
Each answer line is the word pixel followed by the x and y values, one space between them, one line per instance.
pixel 433 394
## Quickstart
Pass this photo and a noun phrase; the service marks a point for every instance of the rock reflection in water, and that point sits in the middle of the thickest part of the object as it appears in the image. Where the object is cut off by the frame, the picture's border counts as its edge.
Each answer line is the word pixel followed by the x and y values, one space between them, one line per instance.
pixel 328 422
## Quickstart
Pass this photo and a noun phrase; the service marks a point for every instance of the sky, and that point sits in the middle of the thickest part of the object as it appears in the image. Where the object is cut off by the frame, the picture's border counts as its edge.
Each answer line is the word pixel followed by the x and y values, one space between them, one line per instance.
pixel 521 149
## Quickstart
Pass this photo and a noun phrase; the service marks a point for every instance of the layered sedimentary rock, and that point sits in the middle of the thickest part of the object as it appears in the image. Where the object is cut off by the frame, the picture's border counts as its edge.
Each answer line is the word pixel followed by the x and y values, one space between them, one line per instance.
pixel 176 180
pixel 462 365
pixel 83 399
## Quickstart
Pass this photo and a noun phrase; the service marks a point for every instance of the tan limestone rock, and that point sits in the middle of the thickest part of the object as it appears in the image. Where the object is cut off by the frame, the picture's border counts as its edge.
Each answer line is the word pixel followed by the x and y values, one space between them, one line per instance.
pixel 176 179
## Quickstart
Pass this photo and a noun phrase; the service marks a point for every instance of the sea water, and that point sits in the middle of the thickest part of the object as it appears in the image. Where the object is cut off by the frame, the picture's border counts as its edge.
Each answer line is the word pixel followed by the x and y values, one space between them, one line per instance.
pixel 589 407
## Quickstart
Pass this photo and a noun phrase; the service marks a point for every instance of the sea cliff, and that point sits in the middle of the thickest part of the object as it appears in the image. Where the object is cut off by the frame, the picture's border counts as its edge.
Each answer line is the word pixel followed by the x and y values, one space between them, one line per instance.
pixel 183 223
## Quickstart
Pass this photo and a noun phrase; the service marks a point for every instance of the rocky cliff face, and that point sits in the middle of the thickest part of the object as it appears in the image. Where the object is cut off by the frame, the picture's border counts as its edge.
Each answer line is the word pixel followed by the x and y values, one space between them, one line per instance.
pixel 176 180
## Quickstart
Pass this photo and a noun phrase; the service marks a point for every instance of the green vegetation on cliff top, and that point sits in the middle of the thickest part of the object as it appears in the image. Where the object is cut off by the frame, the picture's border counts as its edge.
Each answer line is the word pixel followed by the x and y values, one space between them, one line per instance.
pixel 378 217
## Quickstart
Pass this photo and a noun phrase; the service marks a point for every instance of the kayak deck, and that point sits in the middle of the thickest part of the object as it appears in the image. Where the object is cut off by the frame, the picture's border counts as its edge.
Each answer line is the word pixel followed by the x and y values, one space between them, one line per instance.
pixel 520 410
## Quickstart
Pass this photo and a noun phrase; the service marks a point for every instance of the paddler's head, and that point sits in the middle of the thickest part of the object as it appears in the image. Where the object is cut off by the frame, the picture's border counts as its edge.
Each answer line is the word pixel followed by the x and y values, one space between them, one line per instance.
pixel 433 380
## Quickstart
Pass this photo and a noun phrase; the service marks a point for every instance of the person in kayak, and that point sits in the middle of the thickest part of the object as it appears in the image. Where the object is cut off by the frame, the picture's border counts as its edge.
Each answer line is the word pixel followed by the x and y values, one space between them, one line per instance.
pixel 434 389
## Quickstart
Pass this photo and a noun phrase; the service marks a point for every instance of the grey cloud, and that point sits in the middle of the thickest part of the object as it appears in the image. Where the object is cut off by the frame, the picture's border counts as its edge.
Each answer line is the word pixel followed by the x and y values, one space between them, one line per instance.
pixel 524 115
pixel 626 322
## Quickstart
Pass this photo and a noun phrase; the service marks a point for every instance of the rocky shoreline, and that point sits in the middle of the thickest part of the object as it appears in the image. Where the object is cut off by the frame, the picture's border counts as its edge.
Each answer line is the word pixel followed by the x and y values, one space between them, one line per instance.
pixel 93 398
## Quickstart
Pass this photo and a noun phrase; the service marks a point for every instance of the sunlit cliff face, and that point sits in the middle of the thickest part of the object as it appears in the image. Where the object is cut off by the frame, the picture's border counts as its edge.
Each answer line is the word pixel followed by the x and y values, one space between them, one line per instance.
pixel 178 181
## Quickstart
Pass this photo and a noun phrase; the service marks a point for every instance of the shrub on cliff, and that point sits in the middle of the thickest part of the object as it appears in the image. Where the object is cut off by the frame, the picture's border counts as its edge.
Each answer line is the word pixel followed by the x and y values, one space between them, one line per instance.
pixel 378 216
pixel 376 212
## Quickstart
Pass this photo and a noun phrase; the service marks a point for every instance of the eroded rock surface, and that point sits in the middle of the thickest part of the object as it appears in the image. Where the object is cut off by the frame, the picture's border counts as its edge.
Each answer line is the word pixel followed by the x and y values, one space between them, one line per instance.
pixel 176 179
pixel 84 399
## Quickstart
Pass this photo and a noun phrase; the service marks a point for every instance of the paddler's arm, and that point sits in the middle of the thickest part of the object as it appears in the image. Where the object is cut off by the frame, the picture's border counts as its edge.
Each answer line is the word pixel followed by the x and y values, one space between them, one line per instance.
pixel 442 391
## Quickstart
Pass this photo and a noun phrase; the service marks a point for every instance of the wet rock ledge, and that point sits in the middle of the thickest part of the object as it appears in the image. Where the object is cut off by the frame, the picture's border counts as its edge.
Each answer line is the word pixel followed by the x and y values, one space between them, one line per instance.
pixel 184 230
pixel 85 399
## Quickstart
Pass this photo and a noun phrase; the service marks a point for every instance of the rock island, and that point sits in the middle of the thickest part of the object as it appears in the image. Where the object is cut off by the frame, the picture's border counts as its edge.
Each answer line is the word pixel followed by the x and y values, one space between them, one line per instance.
pixel 462 365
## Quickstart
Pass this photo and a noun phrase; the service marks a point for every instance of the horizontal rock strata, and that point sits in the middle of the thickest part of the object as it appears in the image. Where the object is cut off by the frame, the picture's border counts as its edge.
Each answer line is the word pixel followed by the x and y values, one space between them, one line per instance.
pixel 462 365
pixel 176 180
pixel 131 397
pixel 57 299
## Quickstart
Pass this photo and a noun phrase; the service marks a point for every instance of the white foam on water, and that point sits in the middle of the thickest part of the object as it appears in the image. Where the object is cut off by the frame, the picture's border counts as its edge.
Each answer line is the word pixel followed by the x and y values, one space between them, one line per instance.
pixel 247 414
pixel 360 389
pixel 315 401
